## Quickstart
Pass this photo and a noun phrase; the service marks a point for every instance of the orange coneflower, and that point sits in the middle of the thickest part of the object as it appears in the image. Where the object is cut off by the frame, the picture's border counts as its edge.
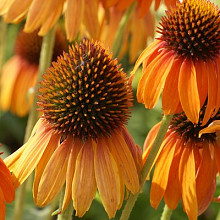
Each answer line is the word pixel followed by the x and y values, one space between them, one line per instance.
pixel 44 14
pixel 81 139
pixel 187 164
pixel 7 191
pixel 184 60
pixel 19 74
pixel 143 5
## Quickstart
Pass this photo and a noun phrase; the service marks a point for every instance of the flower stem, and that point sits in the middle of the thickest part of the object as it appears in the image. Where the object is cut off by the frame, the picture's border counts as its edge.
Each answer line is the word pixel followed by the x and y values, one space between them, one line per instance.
pixel 67 214
pixel 166 215
pixel 45 60
pixel 147 166
pixel 122 25
pixel 3 28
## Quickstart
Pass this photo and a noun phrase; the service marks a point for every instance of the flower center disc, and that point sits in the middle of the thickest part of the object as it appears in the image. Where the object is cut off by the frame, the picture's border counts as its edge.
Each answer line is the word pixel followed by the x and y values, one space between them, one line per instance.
pixel 85 93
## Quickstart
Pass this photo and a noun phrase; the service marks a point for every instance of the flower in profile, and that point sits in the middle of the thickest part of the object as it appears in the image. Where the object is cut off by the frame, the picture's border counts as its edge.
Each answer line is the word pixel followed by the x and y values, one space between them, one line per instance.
pixel 7 191
pixel 184 61
pixel 136 33
pixel 43 15
pixel 20 72
pixel 187 164
pixel 81 139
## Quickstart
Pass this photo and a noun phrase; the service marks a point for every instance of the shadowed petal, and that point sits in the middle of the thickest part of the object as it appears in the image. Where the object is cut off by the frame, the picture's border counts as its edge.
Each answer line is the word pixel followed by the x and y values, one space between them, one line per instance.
pixel 161 173
pixel 188 180
pixel 107 178
pixel 84 184
pixel 54 174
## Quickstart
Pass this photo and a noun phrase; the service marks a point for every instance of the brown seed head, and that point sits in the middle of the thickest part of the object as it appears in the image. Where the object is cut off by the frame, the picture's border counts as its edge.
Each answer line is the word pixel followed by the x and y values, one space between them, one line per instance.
pixel 85 93
pixel 192 29
pixel 28 45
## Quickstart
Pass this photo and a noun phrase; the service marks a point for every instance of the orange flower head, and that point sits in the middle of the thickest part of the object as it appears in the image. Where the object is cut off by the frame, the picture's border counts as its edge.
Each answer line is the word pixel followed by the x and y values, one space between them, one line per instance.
pixel 187 164
pixel 7 191
pixel 19 74
pixel 184 61
pixel 81 139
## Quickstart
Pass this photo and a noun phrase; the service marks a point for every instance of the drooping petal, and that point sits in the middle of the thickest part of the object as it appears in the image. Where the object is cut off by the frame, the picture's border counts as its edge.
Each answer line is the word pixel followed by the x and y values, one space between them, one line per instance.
pixel 6 183
pixel 91 17
pixel 17 10
pixel 143 7
pixel 107 178
pixel 123 4
pixel 188 181
pixel 30 157
pixel 142 83
pixel 123 157
pixel 205 180
pixel 156 79
pixel 54 174
pixel 51 147
pixel 72 23
pixel 169 104
pixel 151 49
pixel 212 91
pixel 217 155
pixel 76 147
pixel 2 206
pixel 172 194
pixel 202 80
pixel 161 173
pixel 188 90
pixel 84 184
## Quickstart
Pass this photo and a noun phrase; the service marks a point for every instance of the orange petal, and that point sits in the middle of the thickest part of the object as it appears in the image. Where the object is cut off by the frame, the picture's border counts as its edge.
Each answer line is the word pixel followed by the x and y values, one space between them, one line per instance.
pixel 30 157
pixel 7 83
pixel 123 4
pixel 143 7
pixel 161 173
pixel 172 194
pixel 107 178
pixel 54 174
pixel 212 128
pixel 156 79
pixel 5 5
pixel 123 157
pixel 188 91
pixel 17 10
pixel 212 91
pixel 169 104
pixel 76 147
pixel 134 149
pixel 40 13
pixel 91 17
pixel 72 23
pixel 202 80
pixel 6 183
pixel 2 206
pixel 51 147
pixel 150 50
pixel 188 180
pixel 84 184
pixel 217 155
pixel 205 180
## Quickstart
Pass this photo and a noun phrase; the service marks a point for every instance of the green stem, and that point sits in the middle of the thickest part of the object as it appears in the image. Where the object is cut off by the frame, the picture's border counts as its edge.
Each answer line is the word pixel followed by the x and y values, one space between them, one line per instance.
pixel 148 164
pixel 45 61
pixel 166 215
pixel 67 214
pixel 121 29
pixel 3 28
